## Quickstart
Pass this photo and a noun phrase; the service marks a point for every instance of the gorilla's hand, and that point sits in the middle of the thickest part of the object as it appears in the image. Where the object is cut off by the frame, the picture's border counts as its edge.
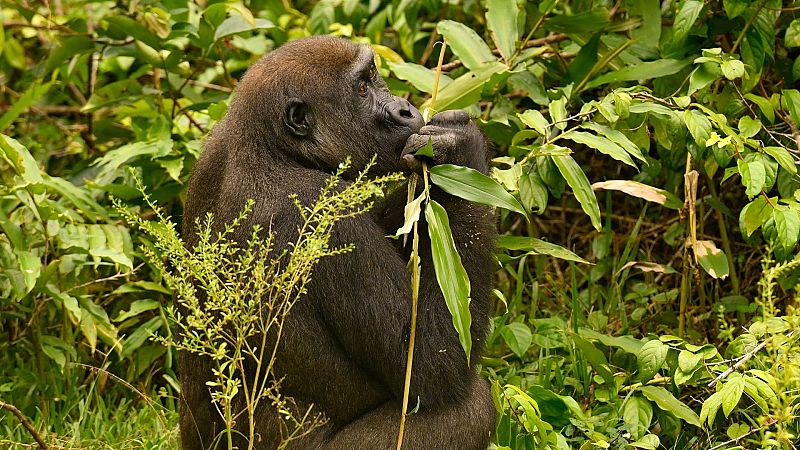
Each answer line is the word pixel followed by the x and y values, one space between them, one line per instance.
pixel 455 140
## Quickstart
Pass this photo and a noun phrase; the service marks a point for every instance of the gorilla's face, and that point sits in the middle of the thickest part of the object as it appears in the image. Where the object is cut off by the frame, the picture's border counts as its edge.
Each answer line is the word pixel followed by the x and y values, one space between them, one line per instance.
pixel 337 105
pixel 392 119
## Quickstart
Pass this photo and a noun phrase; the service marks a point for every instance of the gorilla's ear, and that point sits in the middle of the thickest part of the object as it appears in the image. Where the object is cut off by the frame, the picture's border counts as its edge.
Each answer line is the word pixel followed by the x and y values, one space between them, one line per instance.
pixel 297 117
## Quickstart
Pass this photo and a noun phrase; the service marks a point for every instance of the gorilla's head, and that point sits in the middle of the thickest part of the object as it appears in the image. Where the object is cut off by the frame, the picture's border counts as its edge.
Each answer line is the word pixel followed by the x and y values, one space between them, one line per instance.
pixel 320 99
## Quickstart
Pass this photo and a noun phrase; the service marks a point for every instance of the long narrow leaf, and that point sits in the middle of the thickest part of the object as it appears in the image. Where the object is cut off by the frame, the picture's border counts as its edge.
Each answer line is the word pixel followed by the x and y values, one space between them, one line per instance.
pixel 577 180
pixel 450 273
pixel 474 186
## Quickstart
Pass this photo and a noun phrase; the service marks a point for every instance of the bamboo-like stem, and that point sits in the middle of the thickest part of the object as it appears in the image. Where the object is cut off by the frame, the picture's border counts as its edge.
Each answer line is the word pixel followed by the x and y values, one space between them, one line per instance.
pixel 415 263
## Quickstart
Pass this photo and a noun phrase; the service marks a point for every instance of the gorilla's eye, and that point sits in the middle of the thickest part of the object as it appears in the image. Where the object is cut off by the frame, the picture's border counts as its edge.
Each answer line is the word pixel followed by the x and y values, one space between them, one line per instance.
pixel 362 88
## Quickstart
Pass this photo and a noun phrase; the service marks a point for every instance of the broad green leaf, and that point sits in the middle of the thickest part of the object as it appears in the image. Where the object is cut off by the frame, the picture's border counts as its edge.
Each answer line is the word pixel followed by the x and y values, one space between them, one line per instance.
pixel 69 47
pixel 650 358
pixel 595 357
pixel 731 393
pixel 764 105
pixel 466 89
pixel 616 137
pixel 688 361
pixel 667 402
pixel 558 112
pixel 139 336
pixel 712 259
pixel 601 144
pixel 237 23
pixel 538 247
pixel 465 44
pixel 533 192
pixel 792 99
pixel 702 76
pixel 792 36
pixel 420 77
pixel 787 223
pixel 625 343
pixel 699 126
pixel 755 214
pixel 587 21
pixel 517 336
pixel 641 71
pixel 710 407
pixel 647 442
pixel 501 19
pixel 642 191
pixel 684 20
pixel 637 414
pixel 732 69
pixel 31 267
pixel 411 214
pixel 749 127
pixel 754 176
pixel 783 157
pixel 21 160
pixel 137 307
pixel 737 430
pixel 535 120
pixel 134 29
pixel 89 330
pixel 472 185
pixel 577 180
pixel 450 273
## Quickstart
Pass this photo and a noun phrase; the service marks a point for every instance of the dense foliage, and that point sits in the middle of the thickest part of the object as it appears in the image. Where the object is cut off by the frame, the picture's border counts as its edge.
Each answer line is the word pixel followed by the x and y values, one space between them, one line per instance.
pixel 646 153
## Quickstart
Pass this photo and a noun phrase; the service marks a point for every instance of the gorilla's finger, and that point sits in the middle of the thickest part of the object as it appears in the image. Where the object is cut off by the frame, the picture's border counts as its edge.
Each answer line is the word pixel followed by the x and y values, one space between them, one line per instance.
pixel 413 163
pixel 414 143
pixel 457 117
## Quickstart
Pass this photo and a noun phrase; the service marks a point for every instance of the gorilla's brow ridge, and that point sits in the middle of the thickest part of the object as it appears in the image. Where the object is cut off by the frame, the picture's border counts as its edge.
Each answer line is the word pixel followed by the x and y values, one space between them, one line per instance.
pixel 363 61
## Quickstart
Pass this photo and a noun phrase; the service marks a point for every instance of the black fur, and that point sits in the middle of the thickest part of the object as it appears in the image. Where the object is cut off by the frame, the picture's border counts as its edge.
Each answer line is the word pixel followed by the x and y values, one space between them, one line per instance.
pixel 295 116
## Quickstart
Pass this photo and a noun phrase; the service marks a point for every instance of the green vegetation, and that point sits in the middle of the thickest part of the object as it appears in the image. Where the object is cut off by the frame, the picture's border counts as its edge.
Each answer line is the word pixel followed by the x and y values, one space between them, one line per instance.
pixel 645 174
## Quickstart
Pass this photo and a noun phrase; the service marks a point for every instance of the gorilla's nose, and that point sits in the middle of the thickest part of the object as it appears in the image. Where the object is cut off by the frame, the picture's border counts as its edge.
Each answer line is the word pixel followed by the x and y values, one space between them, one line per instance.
pixel 403 113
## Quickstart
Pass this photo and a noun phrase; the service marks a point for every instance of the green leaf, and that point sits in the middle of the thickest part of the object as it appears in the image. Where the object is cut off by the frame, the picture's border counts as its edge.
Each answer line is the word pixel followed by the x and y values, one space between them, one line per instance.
pixel 699 126
pixel 732 69
pixel 754 176
pixel 792 99
pixel 616 137
pixel 763 104
pixel 474 186
pixel 558 112
pixel 737 430
pixel 535 120
pixel 538 247
pixel 137 307
pixel 712 259
pixel 643 191
pixel 501 19
pixel 787 223
pixel 783 157
pixel 69 47
pixel 236 23
pixel 533 192
pixel 595 357
pixel 420 77
pixel 517 336
pixel 411 214
pixel 749 127
pixel 600 144
pixel 684 20
pixel 650 358
pixel 20 160
pixel 140 336
pixel 134 29
pixel 466 89
pixel 702 76
pixel 31 267
pixel 641 71
pixel 754 214
pixel 29 97
pixel 792 36
pixel 731 393
pixel 625 343
pixel 577 180
pixel 647 442
pixel 637 413
pixel 667 402
pixel 710 407
pixel 465 44
pixel 450 273
pixel 586 21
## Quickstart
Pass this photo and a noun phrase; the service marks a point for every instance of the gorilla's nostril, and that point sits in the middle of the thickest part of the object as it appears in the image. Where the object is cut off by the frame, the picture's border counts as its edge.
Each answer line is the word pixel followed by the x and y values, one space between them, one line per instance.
pixel 406 114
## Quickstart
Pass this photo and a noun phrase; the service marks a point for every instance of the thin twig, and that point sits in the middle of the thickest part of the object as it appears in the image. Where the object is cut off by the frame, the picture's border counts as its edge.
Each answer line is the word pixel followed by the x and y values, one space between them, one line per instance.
pixel 25 423
pixel 746 357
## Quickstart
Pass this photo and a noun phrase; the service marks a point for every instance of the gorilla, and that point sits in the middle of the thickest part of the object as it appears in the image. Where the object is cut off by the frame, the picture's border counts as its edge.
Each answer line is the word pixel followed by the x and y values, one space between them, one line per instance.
pixel 296 114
